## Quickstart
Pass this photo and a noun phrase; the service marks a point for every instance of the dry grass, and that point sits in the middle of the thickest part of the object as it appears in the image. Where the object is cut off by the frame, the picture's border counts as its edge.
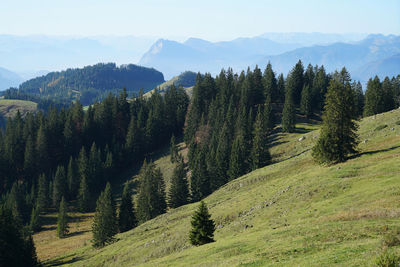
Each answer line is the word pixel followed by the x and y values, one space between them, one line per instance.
pixel 48 245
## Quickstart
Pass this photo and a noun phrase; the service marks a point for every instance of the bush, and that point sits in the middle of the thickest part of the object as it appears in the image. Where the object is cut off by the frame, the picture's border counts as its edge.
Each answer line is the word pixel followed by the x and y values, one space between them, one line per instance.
pixel 391 238
pixel 381 127
pixel 387 259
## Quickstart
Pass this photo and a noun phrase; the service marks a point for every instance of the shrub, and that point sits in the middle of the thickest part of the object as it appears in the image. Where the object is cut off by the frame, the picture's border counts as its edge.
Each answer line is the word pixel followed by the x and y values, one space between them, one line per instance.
pixel 391 239
pixel 387 259
pixel 381 127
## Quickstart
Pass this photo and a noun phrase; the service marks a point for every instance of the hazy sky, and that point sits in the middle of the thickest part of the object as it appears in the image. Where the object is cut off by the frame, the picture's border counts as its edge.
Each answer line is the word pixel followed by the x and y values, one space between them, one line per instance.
pixel 208 19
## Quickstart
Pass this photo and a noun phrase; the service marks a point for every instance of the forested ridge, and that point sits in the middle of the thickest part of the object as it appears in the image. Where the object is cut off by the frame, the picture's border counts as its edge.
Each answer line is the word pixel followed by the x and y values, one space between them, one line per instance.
pixel 88 84
pixel 227 126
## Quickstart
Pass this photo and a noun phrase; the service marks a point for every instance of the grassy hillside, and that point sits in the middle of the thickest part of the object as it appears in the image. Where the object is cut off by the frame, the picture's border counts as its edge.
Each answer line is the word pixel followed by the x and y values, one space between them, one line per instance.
pixel 293 212
pixel 186 79
pixel 9 107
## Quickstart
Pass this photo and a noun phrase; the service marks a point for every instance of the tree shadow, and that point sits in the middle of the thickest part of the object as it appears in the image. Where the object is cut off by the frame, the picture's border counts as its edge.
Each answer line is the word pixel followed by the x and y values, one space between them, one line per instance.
pixel 77 233
pixel 60 261
pixel 302 130
pixel 373 152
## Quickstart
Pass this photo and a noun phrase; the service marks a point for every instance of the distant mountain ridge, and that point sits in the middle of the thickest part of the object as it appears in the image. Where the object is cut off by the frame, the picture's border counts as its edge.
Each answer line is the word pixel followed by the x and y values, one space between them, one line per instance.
pixel 331 50
pixel 9 79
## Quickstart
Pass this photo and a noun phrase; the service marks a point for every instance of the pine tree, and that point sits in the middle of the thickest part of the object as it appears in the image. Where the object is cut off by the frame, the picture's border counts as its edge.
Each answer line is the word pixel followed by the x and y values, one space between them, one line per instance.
pixel 203 227
pixel 126 215
pixel 237 162
pixel 105 224
pixel 178 194
pixel 306 101
pixel 59 185
pixel 35 223
pixel 83 195
pixel 259 153
pixel 338 137
pixel 30 158
pixel 200 181
pixel 173 151
pixel 358 97
pixel 42 197
pixel 151 195
pixel 289 110
pixel 62 219
pixel 297 82
pixel 72 179
pixel 270 84
pixel 281 89
pixel 374 102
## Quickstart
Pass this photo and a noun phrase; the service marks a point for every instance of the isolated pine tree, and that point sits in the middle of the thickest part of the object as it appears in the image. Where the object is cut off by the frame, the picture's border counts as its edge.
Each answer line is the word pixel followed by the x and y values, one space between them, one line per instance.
pixel 105 224
pixel 338 137
pixel 203 227
pixel 62 219
pixel 35 223
pixel 126 215
pixel 178 194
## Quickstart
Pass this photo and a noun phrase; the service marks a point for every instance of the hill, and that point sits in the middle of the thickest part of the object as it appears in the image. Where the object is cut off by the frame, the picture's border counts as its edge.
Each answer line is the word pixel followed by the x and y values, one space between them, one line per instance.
pixel 10 107
pixel 8 79
pixel 186 79
pixel 293 212
pixel 92 82
pixel 386 67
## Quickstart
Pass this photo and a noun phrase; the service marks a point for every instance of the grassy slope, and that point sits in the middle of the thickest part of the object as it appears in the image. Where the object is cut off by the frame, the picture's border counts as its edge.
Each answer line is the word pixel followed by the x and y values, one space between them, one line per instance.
pixel 9 107
pixel 291 212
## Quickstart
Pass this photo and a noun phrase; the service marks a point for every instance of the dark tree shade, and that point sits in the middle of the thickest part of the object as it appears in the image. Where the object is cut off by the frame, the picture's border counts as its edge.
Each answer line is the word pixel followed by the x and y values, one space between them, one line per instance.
pixel 126 215
pixel 203 227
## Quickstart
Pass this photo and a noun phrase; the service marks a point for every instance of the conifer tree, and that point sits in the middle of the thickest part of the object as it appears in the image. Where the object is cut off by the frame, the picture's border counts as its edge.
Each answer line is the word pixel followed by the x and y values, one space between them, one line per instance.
pixel 173 151
pixel 132 139
pixel 203 226
pixel 72 179
pixel 62 219
pixel 35 223
pixel 237 162
pixel 297 82
pixel 200 182
pixel 126 215
pixel 178 194
pixel 259 153
pixel 42 196
pixel 270 84
pixel 222 157
pixel 306 101
pixel 151 195
pixel 374 103
pixel 59 186
pixel 289 110
pixel 281 89
pixel 83 195
pixel 338 137
pixel 30 158
pixel 358 97
pixel 105 223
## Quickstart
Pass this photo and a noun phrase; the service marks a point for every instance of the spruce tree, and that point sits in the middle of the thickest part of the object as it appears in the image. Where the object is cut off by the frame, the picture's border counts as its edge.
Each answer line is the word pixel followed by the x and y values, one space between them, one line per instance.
pixel 289 110
pixel 105 224
pixel 59 186
pixel 35 223
pixel 203 227
pixel 270 84
pixel 374 102
pixel 338 137
pixel 281 89
pixel 83 195
pixel 42 196
pixel 200 183
pixel 151 195
pixel 260 155
pixel 178 194
pixel 173 150
pixel 237 162
pixel 306 101
pixel 72 179
pixel 62 219
pixel 126 215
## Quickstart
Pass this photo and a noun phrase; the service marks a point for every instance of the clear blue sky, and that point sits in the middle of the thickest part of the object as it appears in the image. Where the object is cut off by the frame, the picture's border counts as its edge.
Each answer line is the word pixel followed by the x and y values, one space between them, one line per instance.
pixel 208 19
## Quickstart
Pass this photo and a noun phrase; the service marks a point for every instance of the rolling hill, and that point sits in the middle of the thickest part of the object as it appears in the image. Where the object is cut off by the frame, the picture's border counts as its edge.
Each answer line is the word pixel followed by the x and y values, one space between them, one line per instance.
pixel 186 79
pixel 92 82
pixel 292 212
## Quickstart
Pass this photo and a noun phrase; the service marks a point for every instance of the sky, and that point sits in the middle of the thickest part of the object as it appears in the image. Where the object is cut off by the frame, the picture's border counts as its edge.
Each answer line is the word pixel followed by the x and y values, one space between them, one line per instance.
pixel 214 20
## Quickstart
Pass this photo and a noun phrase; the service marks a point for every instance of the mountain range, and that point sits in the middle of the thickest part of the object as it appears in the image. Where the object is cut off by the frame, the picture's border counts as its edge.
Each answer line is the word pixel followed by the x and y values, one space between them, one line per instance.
pixel 363 58
pixel 9 79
